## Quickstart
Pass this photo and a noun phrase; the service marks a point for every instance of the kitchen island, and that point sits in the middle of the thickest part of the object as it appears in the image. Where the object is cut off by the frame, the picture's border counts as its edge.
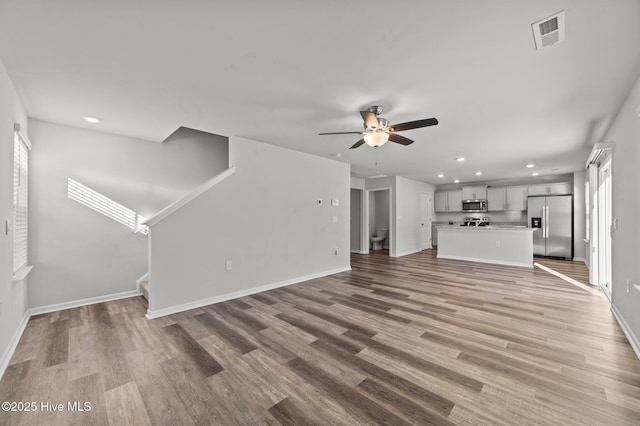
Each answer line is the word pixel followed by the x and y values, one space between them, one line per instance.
pixel 487 244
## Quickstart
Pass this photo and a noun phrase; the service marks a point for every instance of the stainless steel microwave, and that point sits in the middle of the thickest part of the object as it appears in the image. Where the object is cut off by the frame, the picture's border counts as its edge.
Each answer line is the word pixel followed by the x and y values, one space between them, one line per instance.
pixel 473 206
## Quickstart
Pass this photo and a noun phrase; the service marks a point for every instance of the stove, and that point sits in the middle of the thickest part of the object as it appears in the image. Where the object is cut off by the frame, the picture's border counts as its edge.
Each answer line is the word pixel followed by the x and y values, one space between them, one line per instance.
pixel 475 221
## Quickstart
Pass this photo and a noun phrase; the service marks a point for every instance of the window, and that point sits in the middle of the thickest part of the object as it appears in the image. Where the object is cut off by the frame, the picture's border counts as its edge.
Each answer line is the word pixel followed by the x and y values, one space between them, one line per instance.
pixel 106 206
pixel 21 147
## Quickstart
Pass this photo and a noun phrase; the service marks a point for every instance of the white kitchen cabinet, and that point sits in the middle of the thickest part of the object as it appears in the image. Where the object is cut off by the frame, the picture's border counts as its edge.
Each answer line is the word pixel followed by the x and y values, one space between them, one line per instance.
pixel 517 198
pixel 448 201
pixel 496 199
pixel 474 193
pixel 440 201
pixel 507 198
pixel 550 189
pixel 455 201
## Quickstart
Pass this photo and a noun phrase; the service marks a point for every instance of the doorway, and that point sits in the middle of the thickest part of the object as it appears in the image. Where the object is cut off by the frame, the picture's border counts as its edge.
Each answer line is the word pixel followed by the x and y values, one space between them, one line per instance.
pixel 377 218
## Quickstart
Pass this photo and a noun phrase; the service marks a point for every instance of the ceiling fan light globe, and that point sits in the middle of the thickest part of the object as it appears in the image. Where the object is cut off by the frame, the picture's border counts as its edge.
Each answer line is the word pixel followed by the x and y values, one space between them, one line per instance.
pixel 376 139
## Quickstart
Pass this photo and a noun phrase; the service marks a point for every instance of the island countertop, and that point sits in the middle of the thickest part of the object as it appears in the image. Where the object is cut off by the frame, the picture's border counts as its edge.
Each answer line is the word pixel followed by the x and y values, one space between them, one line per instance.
pixel 485 228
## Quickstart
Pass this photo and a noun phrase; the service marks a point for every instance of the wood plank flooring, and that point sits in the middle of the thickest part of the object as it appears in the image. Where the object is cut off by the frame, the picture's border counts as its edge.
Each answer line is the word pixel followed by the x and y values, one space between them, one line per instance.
pixel 412 340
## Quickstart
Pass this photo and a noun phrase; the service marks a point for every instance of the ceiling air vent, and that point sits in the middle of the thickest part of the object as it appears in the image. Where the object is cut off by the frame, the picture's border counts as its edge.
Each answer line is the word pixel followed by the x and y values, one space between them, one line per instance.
pixel 549 31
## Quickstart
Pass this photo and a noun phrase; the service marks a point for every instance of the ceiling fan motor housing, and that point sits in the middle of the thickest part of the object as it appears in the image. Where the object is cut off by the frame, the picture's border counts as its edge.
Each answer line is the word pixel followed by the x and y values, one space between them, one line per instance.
pixel 376 109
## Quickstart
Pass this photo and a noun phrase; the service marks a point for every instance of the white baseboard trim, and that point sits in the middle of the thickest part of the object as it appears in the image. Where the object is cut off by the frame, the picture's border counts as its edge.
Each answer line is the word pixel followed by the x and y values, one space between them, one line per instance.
pixel 495 262
pixel 236 294
pixel 633 340
pixel 13 343
pixel 580 259
pixel 82 302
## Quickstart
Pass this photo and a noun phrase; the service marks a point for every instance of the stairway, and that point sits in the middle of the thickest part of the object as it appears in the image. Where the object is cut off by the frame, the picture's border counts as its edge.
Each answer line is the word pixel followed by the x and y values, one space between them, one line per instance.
pixel 144 287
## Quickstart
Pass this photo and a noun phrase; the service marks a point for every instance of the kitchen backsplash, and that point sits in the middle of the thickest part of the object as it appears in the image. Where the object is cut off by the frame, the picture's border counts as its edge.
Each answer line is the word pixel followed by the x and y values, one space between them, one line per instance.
pixel 508 217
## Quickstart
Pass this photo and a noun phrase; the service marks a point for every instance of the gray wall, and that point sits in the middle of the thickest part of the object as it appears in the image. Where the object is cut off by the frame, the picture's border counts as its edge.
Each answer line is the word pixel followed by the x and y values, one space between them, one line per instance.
pixel 405 220
pixel 408 214
pixel 625 166
pixel 579 217
pixel 79 253
pixel 264 218
pixel 12 295
pixel 382 210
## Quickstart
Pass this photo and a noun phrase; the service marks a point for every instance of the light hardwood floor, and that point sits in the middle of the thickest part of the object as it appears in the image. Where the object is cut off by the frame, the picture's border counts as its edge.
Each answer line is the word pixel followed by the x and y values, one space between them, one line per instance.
pixel 412 340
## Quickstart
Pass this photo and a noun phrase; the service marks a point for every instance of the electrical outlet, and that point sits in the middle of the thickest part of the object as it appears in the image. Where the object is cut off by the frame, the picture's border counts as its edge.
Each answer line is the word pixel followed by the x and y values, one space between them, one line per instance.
pixel 498 244
pixel 228 265
pixel 628 286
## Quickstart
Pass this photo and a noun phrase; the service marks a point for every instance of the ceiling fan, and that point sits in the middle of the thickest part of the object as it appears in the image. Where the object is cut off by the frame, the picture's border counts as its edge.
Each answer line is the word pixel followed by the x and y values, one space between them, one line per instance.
pixel 377 130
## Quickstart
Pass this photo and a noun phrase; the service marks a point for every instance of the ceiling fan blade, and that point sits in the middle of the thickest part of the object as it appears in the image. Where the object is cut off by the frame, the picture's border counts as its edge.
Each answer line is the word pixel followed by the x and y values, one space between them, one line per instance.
pixel 414 124
pixel 370 119
pixel 357 144
pixel 340 133
pixel 399 139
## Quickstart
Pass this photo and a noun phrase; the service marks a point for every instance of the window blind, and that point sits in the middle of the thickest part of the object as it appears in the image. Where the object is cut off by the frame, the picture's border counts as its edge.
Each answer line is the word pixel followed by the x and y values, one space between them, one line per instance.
pixel 20 201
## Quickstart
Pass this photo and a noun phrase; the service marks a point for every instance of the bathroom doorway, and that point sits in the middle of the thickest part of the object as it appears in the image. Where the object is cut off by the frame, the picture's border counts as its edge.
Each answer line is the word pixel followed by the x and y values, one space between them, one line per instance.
pixel 377 229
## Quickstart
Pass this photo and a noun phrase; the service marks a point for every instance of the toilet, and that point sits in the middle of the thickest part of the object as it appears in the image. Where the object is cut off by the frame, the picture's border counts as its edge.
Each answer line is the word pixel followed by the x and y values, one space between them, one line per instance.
pixel 378 240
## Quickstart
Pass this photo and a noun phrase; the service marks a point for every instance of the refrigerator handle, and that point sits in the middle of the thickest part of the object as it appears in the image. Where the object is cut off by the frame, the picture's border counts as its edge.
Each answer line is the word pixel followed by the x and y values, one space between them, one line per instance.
pixel 546 221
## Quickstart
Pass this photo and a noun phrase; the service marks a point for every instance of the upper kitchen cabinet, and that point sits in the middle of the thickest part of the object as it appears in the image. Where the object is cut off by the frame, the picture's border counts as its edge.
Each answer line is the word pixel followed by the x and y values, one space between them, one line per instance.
pixel 448 201
pixel 517 198
pixel 508 198
pixel 550 189
pixel 496 199
pixel 474 193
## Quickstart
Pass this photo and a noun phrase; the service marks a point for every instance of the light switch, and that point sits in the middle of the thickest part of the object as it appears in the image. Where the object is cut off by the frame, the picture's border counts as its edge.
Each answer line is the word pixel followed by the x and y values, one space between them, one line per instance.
pixel 335 202
pixel 7 227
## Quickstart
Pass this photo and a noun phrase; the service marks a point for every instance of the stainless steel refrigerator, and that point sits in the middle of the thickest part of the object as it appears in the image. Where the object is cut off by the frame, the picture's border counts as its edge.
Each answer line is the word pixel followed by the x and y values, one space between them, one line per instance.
pixel 553 216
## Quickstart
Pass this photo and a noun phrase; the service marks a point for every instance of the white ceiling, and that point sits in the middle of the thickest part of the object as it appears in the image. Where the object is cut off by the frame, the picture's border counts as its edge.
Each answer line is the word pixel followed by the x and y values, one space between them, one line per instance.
pixel 282 71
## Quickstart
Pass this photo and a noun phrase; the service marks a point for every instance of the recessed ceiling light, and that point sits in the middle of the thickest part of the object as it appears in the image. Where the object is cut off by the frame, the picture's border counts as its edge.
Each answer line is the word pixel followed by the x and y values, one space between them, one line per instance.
pixel 535 174
pixel 460 159
pixel 530 165
pixel 440 175
pixel 92 120
pixel 456 181
pixel 478 173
